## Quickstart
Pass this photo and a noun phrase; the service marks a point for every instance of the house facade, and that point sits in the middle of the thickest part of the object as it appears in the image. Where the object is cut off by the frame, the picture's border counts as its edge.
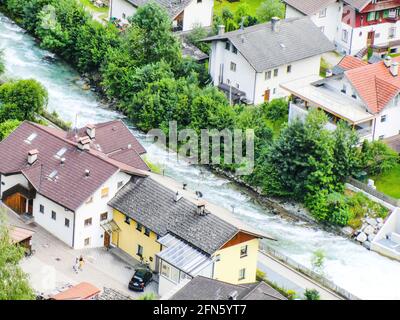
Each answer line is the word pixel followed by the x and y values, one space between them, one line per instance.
pixel 179 238
pixel 185 14
pixel 250 64
pixel 354 26
pixel 364 95
pixel 62 181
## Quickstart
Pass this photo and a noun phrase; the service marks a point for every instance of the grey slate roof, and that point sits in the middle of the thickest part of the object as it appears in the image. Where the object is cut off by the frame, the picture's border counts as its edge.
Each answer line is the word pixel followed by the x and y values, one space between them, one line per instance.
pixel 358 4
pixel 202 288
pixel 153 205
pixel 309 7
pixel 264 49
pixel 173 7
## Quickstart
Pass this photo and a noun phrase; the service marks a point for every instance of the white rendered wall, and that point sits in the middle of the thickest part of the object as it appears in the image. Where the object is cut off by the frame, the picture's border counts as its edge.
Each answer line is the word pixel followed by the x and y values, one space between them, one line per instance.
pixel 120 7
pixel 198 14
pixel 8 182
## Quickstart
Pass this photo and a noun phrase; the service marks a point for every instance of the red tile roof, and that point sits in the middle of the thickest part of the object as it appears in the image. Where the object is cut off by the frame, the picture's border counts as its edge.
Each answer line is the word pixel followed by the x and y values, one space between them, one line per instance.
pixel 64 183
pixel 375 84
pixel 350 62
pixel 82 291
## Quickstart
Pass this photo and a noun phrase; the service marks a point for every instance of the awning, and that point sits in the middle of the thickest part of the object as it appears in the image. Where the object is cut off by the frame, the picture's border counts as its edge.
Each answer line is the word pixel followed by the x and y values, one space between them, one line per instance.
pixel 18 234
pixel 183 256
pixel 110 227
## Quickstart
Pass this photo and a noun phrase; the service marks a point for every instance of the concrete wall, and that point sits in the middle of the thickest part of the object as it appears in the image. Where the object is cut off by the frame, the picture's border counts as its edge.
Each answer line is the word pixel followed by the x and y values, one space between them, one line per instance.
pixel 55 227
pixel 391 126
pixel 129 238
pixel 93 210
pixel 8 182
pixel 198 13
pixel 119 8
pixel 227 268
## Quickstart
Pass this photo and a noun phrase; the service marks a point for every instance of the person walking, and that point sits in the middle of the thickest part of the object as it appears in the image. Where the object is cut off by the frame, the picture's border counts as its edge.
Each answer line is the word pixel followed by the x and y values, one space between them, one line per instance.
pixel 81 263
pixel 76 265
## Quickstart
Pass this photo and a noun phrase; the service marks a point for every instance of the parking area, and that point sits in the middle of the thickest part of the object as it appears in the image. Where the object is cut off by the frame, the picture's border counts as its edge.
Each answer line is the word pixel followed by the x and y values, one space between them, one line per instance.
pixel 50 268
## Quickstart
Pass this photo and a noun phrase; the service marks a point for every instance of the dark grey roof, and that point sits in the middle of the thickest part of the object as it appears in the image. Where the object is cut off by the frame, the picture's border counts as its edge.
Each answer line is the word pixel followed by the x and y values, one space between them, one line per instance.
pixel 202 288
pixel 358 4
pixel 153 205
pixel 309 7
pixel 338 70
pixel 173 7
pixel 263 48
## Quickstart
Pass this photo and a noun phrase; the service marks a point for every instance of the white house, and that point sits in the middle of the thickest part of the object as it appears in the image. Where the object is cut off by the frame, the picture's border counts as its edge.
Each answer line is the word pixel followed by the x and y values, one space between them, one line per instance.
pixel 185 14
pixel 353 25
pixel 249 64
pixel 364 95
pixel 63 181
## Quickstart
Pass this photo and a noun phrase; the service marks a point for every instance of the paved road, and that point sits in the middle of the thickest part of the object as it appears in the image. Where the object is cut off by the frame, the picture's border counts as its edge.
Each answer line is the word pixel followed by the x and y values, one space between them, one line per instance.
pixel 289 278
pixel 50 268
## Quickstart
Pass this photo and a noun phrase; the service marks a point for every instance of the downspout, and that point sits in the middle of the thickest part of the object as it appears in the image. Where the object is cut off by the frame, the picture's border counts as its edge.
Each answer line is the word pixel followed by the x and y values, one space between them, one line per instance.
pixel 351 40
pixel 373 134
pixel 73 232
pixel 254 91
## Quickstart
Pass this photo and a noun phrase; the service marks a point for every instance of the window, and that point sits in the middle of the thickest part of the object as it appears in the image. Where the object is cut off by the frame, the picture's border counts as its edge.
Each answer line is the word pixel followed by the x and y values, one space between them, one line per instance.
pixel 392 32
pixel 322 13
pixel 90 200
pixel 234 50
pixel 61 152
pixel 87 242
pixel 127 220
pixel 199 1
pixel 372 16
pixel 228 45
pixel 289 68
pixel 170 272
pixel 88 222
pixel 381 137
pixel 41 208
pixel 120 184
pixel 274 91
pixel 104 192
pixel 243 251
pixel 66 222
pixel 276 72
pixel 104 216
pixel 139 227
pixel 242 274
pixel 123 16
pixel 233 66
pixel 344 89
pixel 54 215
pixel 268 75
pixel 345 36
pixel 139 250
pixel 147 232
pixel 383 118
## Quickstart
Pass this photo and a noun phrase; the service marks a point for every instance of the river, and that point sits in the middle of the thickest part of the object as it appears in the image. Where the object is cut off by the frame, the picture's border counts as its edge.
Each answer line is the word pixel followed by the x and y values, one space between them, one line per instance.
pixel 365 274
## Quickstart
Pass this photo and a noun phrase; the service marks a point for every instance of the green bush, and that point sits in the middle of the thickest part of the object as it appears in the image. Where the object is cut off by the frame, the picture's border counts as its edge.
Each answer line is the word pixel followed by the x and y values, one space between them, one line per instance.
pixel 311 294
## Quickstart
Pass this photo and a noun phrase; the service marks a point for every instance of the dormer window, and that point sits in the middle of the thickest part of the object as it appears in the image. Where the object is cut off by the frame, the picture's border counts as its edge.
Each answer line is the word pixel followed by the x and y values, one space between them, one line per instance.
pixel 61 152
pixel 31 138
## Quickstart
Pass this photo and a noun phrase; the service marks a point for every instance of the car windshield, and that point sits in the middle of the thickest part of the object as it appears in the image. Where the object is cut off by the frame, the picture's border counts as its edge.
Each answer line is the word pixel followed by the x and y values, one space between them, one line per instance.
pixel 139 274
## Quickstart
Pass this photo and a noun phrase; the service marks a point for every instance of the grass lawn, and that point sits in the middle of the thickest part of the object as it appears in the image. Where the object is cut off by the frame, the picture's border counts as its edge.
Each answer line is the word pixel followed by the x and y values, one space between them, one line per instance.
pixel 88 4
pixel 389 183
pixel 253 4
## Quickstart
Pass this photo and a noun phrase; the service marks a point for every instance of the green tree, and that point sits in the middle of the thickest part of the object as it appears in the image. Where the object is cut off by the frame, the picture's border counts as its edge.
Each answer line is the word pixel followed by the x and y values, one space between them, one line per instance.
pixel 13 281
pixel 311 294
pixel 269 9
pixel 377 157
pixel 7 127
pixel 2 65
pixel 27 97
pixel 158 43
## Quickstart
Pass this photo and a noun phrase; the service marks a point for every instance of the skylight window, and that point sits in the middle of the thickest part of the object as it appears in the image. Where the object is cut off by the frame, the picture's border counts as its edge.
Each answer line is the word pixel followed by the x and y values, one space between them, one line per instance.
pixel 53 174
pixel 61 152
pixel 31 138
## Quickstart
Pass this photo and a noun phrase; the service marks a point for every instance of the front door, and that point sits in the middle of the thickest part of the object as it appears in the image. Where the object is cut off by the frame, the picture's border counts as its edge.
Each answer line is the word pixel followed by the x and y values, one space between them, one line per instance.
pixel 16 202
pixel 371 38
pixel 106 240
pixel 267 94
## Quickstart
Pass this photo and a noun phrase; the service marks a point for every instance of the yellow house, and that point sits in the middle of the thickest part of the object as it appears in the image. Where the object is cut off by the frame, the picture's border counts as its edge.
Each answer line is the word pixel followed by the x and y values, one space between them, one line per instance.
pixel 180 239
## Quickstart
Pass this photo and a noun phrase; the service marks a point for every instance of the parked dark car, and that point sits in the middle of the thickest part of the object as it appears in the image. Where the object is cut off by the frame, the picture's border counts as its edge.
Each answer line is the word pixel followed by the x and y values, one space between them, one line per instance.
pixel 140 279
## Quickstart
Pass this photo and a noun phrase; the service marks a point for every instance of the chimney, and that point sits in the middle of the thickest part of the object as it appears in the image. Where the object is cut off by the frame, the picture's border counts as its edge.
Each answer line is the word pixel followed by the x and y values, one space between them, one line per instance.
pixel 221 29
pixel 394 69
pixel 87 172
pixel 32 156
pixel 62 160
pixel 201 208
pixel 84 143
pixel 91 131
pixel 275 22
pixel 387 61
pixel 233 295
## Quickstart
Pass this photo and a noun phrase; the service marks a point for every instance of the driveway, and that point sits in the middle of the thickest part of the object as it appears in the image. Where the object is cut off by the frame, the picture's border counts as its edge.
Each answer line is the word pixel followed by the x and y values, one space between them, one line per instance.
pixel 50 268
